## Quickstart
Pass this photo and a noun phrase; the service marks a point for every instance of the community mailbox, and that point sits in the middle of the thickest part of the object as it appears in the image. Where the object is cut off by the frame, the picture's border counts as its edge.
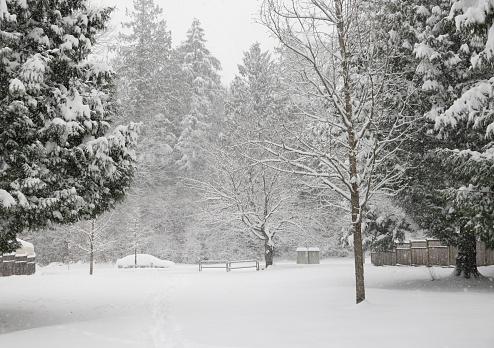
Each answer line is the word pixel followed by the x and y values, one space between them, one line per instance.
pixel 308 255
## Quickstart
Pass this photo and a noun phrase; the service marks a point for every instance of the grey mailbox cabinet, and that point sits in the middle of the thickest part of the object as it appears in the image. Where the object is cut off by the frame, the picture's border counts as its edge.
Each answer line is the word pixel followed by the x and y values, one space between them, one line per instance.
pixel 308 255
pixel 314 256
pixel 302 256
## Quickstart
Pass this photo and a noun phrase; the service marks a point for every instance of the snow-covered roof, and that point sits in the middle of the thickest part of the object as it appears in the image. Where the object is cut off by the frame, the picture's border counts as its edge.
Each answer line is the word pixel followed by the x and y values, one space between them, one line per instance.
pixel 307 249
pixel 25 249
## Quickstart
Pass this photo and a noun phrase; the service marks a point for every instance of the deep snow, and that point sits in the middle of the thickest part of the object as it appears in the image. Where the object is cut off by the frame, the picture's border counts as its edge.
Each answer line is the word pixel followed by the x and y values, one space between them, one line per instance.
pixel 143 261
pixel 285 306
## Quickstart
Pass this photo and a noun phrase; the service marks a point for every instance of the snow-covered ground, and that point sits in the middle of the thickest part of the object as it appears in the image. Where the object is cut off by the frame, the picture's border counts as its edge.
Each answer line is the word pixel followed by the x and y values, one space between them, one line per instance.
pixel 285 306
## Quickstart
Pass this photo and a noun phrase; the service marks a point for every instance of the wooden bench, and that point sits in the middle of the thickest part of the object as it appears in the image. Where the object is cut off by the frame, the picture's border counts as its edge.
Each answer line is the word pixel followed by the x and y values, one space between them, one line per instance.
pixel 228 265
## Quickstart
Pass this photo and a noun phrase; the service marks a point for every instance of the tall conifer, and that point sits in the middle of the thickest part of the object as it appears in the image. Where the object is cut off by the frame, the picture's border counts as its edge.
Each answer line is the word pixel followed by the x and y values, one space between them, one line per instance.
pixel 59 159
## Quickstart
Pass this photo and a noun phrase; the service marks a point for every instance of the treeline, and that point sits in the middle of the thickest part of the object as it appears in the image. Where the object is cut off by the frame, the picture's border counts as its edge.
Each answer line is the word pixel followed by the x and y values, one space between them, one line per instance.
pixel 370 121
pixel 194 150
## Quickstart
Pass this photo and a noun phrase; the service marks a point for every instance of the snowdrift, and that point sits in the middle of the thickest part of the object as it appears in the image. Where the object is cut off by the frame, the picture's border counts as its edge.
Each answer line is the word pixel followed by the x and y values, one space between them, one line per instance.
pixel 143 261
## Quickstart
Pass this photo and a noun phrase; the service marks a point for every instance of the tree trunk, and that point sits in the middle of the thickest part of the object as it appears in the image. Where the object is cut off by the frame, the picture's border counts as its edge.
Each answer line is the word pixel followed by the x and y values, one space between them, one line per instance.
pixel 135 243
pixel 358 252
pixel 268 253
pixel 135 258
pixel 91 260
pixel 466 260
pixel 91 249
pixel 347 119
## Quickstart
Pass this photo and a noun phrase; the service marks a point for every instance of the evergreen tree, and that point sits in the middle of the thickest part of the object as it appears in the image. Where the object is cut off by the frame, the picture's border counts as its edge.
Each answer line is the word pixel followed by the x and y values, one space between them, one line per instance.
pixel 383 229
pixel 258 101
pixel 146 64
pixel 455 51
pixel 151 87
pixel 59 159
pixel 203 82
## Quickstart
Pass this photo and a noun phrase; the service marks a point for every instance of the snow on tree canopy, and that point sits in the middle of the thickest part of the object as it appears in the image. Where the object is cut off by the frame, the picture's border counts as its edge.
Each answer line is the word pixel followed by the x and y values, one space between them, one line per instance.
pixel 469 12
pixel 74 107
pixel 60 160
pixel 455 60
pixel 423 11
pixel 16 86
pixel 469 106
pixel 4 11
pixel 6 199
pixel 474 11
pixel 32 72
pixel 462 108
pixel 3 8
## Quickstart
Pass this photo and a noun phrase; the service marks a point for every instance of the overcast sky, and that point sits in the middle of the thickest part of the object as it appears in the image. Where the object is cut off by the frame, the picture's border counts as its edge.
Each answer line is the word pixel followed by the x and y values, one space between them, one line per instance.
pixel 229 26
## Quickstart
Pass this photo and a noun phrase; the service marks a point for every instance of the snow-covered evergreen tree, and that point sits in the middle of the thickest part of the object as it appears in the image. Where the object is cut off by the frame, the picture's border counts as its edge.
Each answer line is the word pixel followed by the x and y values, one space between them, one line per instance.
pixel 257 94
pixel 382 229
pixel 203 81
pixel 59 159
pixel 146 65
pixel 151 88
pixel 455 48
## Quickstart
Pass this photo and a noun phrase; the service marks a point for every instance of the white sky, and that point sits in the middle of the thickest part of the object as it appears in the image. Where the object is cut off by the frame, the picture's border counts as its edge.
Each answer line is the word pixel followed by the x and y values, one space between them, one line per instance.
pixel 229 26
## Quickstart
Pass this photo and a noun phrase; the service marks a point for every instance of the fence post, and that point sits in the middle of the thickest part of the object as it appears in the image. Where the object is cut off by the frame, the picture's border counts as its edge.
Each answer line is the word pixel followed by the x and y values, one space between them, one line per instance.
pixel 428 256
pixel 31 264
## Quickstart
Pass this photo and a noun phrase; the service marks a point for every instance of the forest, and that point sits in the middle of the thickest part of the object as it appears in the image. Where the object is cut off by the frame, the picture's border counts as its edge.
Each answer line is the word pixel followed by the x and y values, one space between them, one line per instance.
pixel 369 123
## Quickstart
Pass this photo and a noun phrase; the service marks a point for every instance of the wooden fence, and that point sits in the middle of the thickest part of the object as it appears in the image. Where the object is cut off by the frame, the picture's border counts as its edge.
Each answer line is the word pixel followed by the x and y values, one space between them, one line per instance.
pixel 429 252
pixel 17 264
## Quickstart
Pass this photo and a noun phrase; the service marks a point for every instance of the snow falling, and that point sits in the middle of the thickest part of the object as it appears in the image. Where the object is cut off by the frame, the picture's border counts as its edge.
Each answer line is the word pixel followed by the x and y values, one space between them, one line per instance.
pixel 149 198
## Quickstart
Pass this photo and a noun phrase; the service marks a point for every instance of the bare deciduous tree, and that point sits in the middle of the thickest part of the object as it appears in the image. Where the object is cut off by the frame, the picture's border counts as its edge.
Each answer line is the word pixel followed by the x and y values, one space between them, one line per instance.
pixel 256 195
pixel 339 57
pixel 91 236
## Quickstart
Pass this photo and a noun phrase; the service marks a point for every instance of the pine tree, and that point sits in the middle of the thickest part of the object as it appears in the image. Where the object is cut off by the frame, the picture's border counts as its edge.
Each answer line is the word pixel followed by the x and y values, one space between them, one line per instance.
pixel 151 87
pixel 145 64
pixel 455 51
pixel 203 81
pixel 59 159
